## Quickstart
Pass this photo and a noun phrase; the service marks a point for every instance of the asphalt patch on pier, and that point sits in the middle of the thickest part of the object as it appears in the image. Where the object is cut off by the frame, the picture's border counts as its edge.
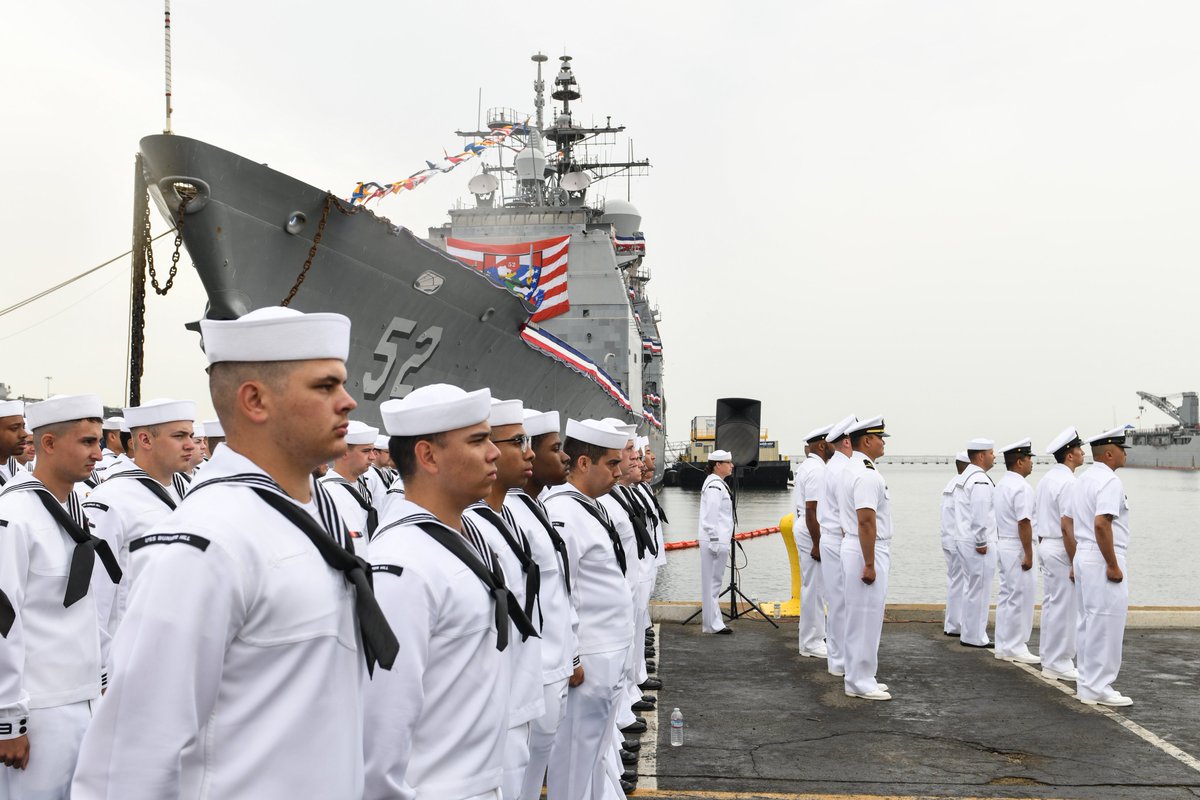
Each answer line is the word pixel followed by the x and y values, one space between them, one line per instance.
pixel 760 721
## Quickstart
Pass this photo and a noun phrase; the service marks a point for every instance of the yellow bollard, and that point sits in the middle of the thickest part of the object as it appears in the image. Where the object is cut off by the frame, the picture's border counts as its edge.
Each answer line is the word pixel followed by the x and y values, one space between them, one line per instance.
pixel 792 607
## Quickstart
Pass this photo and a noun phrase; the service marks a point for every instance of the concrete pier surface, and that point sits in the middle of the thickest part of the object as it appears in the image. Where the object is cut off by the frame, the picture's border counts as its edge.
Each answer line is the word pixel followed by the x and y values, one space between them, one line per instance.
pixel 761 722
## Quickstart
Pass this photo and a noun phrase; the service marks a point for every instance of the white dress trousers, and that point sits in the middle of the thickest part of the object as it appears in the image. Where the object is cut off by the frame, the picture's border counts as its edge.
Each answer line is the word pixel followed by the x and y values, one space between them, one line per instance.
pixel 956 579
pixel 1103 607
pixel 1014 603
pixel 577 759
pixel 55 735
pixel 977 589
pixel 864 613
pixel 1060 617
pixel 541 741
pixel 812 594
pixel 712 575
pixel 833 584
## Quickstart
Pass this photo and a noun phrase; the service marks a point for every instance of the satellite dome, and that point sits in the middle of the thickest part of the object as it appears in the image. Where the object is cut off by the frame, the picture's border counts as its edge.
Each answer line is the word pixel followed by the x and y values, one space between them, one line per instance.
pixel 624 216
pixel 530 164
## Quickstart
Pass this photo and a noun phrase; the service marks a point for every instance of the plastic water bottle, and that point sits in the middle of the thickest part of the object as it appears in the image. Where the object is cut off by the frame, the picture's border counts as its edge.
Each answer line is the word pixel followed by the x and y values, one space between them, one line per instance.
pixel 676 728
pixel 778 610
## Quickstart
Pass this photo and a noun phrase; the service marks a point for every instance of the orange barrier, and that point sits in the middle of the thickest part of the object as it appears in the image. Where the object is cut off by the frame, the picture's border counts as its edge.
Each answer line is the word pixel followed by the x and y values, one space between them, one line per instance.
pixel 739 536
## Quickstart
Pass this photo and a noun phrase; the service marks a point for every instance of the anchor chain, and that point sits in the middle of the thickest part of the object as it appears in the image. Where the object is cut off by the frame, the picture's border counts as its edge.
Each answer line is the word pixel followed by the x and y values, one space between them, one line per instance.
pixel 330 202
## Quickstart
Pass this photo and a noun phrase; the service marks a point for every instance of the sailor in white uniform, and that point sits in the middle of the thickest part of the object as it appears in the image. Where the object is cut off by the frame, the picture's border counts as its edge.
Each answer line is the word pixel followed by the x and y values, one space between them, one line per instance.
pixel 381 474
pixel 866 514
pixel 238 666
pixel 214 435
pixel 1056 549
pixel 112 446
pixel 1014 503
pixel 604 602
pixel 829 516
pixel 955 577
pixel 806 530
pixel 130 502
pixel 716 536
pixel 12 438
pixel 508 540
pixel 559 622
pixel 436 723
pixel 976 516
pixel 1101 512
pixel 50 667
pixel 350 493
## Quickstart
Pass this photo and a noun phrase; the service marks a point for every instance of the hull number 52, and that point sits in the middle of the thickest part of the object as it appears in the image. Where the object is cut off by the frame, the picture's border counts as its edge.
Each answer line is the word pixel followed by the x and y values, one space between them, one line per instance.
pixel 388 352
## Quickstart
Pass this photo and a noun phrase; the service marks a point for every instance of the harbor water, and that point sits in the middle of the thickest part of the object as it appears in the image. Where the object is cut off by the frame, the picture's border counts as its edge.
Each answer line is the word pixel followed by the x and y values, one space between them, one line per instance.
pixel 1164 549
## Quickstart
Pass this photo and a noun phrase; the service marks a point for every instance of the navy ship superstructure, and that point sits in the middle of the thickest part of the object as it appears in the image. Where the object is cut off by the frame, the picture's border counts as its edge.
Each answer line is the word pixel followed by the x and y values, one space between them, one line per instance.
pixel 258 237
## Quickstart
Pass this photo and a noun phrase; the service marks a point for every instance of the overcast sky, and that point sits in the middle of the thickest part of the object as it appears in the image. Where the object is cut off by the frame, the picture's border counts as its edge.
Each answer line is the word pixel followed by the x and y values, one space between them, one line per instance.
pixel 973 218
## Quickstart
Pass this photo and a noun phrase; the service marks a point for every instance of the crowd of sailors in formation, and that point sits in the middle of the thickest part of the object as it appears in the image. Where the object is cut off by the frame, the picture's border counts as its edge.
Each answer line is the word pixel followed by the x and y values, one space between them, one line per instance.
pixel 285 602
pixel 1079 528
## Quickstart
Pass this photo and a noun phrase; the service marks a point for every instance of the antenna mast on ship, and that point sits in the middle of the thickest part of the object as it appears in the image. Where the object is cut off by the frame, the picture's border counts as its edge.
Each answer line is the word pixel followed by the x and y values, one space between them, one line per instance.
pixel 167 53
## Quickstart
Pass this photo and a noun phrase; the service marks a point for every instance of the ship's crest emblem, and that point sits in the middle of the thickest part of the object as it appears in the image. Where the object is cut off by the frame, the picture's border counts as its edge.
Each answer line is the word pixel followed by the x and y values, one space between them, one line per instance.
pixel 428 282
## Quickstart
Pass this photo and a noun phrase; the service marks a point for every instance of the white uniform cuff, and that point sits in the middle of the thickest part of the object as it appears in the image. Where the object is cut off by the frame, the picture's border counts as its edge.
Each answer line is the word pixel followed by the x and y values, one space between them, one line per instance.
pixel 12 727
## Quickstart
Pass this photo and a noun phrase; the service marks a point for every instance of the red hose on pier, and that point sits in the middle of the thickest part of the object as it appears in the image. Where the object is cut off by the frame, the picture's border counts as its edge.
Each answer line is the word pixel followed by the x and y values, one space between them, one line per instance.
pixel 739 536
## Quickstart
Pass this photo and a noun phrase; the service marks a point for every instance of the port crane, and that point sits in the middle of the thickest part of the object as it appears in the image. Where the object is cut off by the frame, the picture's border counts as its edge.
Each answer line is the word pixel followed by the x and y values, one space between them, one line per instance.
pixel 1185 414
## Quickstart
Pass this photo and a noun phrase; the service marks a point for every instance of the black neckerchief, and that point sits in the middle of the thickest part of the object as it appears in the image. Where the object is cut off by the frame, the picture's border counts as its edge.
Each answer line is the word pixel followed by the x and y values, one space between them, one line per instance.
pixel 507 528
pixel 489 574
pixel 654 499
pixel 363 503
pixel 640 535
pixel 8 615
pixel 333 543
pixel 597 512
pixel 146 480
pixel 556 541
pixel 87 546
pixel 384 476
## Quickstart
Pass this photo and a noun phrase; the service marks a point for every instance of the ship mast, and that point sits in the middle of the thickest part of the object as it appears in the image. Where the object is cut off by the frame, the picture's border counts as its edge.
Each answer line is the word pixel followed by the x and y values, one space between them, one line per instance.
pixel 539 90
pixel 167 55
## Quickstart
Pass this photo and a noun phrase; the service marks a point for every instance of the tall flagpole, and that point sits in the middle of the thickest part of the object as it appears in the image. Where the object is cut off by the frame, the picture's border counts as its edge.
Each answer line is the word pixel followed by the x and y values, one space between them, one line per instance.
pixel 167 54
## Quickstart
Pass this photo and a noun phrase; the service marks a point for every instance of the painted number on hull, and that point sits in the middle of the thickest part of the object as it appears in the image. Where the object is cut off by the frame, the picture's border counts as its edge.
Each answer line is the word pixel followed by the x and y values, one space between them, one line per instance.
pixel 388 351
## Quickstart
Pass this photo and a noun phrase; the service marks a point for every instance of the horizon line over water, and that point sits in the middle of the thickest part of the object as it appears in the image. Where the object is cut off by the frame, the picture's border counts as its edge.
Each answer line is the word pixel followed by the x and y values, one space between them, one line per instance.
pixel 1164 508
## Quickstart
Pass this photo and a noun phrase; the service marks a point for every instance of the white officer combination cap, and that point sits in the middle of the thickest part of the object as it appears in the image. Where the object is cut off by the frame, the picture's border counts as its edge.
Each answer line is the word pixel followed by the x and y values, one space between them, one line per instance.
pixel 276 334
pixel 156 412
pixel 539 423
pixel 818 434
pixel 506 412
pixel 1024 447
pixel 838 429
pixel 962 457
pixel 213 429
pixel 361 433
pixel 597 432
pixel 720 455
pixel 11 408
pixel 381 442
pixel 1069 437
pixel 1115 436
pixel 112 424
pixel 63 408
pixel 979 443
pixel 436 408
pixel 629 429
pixel 872 425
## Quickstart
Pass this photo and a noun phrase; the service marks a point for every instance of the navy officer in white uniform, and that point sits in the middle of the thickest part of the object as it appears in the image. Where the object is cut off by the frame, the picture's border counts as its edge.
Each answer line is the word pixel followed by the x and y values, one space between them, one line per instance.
pixel 1055 531
pixel 238 667
pixel 976 516
pixel 806 531
pixel 1101 513
pixel 866 513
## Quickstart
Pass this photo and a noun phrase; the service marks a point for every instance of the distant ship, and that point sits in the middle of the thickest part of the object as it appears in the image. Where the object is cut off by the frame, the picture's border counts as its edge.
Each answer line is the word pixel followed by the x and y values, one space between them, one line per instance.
pixel 1174 446
pixel 538 292
pixel 772 471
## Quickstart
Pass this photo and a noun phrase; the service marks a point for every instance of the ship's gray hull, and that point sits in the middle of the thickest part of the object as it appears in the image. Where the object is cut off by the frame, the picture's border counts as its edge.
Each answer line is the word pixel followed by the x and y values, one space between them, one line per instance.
pixel 466 332
pixel 1184 457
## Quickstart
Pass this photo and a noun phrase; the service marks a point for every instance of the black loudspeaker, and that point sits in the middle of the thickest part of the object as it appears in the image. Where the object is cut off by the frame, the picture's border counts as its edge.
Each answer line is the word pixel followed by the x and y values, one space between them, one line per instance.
pixel 738 424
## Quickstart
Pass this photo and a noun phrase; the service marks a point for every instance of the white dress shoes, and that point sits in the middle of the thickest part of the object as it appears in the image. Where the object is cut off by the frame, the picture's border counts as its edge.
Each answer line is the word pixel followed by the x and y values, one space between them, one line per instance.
pixel 878 694
pixel 1025 657
pixel 1116 700
pixel 1070 675
pixel 820 652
